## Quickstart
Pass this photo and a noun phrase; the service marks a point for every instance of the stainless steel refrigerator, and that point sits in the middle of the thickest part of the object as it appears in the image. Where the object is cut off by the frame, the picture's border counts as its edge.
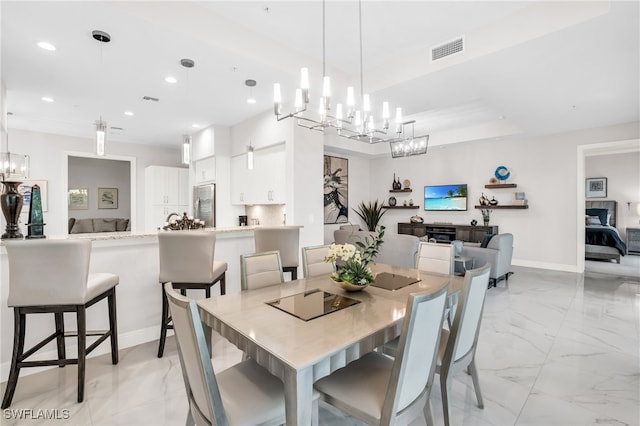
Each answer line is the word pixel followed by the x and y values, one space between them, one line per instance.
pixel 204 202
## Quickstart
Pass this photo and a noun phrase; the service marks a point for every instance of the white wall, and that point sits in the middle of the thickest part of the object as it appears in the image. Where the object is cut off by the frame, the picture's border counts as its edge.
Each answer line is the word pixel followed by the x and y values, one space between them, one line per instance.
pixel 545 168
pixel 94 173
pixel 623 184
pixel 48 154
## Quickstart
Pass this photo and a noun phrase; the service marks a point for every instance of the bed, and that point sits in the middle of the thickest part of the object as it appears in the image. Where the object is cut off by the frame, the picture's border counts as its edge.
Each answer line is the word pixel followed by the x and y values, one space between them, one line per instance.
pixel 602 239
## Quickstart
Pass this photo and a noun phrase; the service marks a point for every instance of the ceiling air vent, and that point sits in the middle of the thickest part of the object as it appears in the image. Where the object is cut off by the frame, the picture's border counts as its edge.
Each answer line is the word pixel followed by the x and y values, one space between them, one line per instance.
pixel 116 128
pixel 447 49
pixel 150 98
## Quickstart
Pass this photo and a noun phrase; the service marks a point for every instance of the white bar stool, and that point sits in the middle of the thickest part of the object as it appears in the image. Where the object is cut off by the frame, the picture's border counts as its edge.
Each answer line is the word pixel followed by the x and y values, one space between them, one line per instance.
pixel 187 261
pixel 52 276
pixel 285 240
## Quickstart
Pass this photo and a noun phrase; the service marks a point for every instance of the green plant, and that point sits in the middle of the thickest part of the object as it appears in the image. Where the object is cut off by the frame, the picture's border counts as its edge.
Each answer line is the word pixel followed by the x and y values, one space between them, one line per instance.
pixel 371 213
pixel 356 260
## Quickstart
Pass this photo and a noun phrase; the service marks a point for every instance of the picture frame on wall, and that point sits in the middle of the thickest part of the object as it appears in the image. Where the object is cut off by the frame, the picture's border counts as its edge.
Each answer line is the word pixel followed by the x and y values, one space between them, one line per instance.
pixel 78 198
pixel 107 198
pixel 336 189
pixel 596 187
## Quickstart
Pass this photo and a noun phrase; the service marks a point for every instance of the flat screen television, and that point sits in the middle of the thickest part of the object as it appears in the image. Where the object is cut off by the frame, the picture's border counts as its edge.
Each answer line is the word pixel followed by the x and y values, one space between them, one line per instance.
pixel 445 197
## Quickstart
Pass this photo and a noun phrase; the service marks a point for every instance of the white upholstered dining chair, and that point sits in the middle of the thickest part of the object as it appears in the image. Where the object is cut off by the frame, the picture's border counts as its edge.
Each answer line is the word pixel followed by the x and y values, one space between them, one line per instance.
pixel 457 349
pixel 313 263
pixel 434 257
pixel 245 394
pixel 259 270
pixel 380 390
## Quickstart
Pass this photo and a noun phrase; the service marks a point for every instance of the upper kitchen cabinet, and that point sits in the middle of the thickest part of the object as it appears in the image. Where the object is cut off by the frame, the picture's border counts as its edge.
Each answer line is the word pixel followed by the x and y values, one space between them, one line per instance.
pixel 205 170
pixel 265 184
pixel 166 191
pixel 167 185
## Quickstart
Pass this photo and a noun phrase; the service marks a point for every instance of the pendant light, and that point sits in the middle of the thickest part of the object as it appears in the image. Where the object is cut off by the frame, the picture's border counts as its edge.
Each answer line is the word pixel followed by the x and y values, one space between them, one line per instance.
pixel 101 127
pixel 101 136
pixel 250 156
pixel 186 149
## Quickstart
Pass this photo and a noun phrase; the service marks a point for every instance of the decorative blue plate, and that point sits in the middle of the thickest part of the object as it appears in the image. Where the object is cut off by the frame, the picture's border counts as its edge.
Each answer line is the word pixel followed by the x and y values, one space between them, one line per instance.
pixel 502 173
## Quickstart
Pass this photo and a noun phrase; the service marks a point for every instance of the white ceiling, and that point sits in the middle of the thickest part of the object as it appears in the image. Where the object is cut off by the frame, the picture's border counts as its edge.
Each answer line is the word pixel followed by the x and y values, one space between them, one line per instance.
pixel 528 68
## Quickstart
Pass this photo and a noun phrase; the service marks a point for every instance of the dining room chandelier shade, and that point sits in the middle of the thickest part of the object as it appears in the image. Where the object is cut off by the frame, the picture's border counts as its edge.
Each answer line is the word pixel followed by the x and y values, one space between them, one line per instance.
pixel 186 149
pixel 352 121
pixel 410 145
pixel 101 136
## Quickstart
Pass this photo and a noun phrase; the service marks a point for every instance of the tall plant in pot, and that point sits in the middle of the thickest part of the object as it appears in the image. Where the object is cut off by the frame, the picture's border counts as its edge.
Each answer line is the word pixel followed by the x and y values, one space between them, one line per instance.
pixel 371 212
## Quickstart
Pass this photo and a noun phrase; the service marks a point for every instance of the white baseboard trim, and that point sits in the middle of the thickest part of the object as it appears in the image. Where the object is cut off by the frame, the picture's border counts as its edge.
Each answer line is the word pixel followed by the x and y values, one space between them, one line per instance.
pixel 125 340
pixel 546 265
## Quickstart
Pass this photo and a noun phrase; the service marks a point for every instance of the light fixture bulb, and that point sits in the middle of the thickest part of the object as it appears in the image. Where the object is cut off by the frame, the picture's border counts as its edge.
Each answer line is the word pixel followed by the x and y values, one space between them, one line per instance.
pixel 46 46
pixel 339 115
pixel 326 86
pixel 277 96
pixel 251 100
pixel 366 103
pixel 385 110
pixel 298 102
pixel 304 78
pixel 351 100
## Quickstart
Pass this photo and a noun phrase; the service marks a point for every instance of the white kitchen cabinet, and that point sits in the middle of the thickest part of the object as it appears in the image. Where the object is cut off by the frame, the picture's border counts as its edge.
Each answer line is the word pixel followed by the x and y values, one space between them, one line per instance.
pixel 166 191
pixel 240 178
pixel 265 184
pixel 205 170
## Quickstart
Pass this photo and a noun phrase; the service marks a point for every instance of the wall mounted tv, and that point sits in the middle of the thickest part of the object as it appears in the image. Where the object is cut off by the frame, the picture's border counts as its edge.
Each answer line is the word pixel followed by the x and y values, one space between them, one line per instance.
pixel 445 197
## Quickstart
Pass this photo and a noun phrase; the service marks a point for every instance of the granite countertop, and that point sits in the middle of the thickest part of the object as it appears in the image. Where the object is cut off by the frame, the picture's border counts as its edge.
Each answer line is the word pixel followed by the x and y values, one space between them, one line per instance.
pixel 103 236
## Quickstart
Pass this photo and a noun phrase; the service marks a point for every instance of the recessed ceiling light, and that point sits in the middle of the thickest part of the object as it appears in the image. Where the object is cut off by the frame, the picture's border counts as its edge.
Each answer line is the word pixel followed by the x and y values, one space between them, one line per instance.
pixel 46 46
pixel 47 99
pixel 129 113
pixel 170 79
pixel 195 126
pixel 251 100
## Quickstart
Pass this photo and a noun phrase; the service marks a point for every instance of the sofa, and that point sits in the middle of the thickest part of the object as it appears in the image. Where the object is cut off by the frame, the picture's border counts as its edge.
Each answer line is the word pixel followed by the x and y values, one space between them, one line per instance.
pixel 397 250
pixel 89 225
pixel 496 250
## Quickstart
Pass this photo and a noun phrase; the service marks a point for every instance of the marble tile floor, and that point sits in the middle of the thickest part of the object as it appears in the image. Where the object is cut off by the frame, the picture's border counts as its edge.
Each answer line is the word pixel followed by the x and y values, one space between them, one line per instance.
pixel 555 348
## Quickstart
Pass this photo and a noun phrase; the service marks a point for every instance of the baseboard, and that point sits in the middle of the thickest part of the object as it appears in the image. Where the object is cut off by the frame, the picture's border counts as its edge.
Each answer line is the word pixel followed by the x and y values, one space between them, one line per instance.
pixel 125 340
pixel 546 265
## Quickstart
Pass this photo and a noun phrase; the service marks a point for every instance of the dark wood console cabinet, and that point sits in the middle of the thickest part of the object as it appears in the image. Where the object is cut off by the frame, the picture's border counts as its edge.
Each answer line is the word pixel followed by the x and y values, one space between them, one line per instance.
pixel 445 233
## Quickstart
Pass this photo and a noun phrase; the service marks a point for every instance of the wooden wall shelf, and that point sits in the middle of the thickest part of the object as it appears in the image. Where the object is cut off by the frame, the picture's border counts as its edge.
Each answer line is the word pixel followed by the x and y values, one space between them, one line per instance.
pixel 400 207
pixel 400 190
pixel 500 185
pixel 526 206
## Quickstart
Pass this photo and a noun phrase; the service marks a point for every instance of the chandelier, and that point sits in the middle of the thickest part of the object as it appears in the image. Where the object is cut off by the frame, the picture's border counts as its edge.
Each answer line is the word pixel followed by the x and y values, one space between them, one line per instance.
pixel 350 121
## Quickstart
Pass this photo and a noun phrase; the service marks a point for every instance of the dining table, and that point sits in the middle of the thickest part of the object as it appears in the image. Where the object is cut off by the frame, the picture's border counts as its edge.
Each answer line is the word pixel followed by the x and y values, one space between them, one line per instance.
pixel 303 330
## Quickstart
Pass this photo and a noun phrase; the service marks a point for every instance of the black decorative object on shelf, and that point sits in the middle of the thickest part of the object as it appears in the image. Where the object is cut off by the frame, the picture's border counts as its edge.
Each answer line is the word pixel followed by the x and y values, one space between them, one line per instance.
pixel 493 201
pixel 474 222
pixel 11 201
pixel 35 227
pixel 396 183
pixel 392 201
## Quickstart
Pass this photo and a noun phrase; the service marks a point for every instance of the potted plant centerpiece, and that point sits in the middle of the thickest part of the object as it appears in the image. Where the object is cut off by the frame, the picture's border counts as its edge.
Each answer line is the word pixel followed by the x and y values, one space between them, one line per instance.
pixel 354 273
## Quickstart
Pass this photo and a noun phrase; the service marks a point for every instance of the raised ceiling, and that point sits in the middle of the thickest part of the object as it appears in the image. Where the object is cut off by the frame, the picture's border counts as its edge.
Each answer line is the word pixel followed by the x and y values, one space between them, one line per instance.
pixel 528 68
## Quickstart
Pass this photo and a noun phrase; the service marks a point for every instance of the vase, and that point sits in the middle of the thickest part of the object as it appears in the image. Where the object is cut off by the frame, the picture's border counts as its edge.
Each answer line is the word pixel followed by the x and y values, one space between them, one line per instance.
pixel 486 220
pixel 348 286
pixel 11 201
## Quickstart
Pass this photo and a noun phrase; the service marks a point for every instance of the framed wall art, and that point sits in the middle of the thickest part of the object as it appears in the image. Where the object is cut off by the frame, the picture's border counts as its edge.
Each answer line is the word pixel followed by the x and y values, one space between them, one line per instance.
pixel 107 198
pixel 78 199
pixel 596 187
pixel 336 190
